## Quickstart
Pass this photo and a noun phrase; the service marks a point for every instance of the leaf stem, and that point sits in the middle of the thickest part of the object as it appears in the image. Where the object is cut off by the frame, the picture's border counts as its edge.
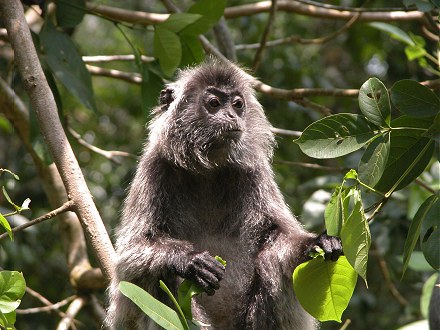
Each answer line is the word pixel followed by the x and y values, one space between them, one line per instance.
pixel 179 310
pixel 370 188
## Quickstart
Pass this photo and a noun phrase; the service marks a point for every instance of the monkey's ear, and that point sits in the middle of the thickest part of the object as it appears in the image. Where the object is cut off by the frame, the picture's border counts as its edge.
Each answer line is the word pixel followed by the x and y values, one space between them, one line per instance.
pixel 166 97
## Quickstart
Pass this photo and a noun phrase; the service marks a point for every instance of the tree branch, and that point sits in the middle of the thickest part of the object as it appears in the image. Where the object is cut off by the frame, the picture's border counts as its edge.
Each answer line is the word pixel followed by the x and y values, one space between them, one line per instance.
pixel 77 304
pixel 144 18
pixel 321 12
pixel 68 206
pixel 43 103
pixel 265 36
pixel 110 155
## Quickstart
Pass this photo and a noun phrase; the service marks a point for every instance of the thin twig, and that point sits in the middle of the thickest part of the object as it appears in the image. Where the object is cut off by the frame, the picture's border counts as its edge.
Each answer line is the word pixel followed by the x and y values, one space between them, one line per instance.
pixel 345 325
pixel 425 186
pixel 312 166
pixel 303 41
pixel 67 206
pixel 47 308
pixel 286 132
pixel 131 77
pixel 368 15
pixel 105 153
pixel 68 320
pixel 113 58
pixel 267 29
pixel 312 106
pixel 386 275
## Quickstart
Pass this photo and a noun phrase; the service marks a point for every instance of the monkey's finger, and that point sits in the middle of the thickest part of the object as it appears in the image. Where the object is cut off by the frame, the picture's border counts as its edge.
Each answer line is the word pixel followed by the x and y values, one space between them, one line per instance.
pixel 206 261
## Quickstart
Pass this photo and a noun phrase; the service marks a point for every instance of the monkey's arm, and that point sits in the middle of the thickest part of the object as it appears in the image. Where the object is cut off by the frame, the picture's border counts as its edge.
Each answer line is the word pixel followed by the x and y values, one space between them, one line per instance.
pixel 162 257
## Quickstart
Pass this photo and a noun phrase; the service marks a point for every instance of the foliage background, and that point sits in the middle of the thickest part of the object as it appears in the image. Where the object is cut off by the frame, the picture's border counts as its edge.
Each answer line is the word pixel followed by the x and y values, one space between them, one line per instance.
pixel 346 61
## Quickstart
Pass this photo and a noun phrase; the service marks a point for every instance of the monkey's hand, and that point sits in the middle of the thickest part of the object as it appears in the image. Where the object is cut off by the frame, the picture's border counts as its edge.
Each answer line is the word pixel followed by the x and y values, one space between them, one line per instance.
pixel 331 245
pixel 202 269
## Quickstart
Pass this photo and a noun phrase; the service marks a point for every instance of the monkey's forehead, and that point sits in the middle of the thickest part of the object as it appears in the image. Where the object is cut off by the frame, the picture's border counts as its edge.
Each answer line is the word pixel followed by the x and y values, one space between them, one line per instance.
pixel 221 75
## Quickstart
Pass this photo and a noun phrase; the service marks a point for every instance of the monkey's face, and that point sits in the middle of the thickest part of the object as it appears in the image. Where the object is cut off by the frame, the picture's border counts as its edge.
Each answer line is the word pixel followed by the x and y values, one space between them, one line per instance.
pixel 211 122
pixel 210 118
pixel 223 110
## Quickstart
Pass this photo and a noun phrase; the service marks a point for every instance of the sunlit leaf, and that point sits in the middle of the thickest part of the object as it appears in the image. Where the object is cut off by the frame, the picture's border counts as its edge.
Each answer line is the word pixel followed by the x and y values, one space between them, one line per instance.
pixel 393 31
pixel 12 289
pixel 333 213
pixel 414 229
pixel 157 311
pixel 336 135
pixel 355 237
pixel 324 288
pixel 374 159
pixel 374 102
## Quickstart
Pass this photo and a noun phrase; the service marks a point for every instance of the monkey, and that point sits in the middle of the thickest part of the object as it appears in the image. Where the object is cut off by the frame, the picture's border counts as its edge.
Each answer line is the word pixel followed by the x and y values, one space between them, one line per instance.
pixel 205 187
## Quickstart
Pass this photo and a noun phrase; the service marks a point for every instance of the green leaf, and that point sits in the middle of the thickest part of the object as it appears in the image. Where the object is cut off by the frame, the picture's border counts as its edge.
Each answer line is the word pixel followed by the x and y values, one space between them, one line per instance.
pixel 430 235
pixel 336 135
pixel 211 12
pixel 65 62
pixel 12 289
pixel 192 50
pixel 7 320
pixel 409 155
pixel 414 229
pixel 178 21
pixel 151 86
pixel 374 102
pixel 374 159
pixel 70 13
pixel 427 293
pixel 184 295
pixel 333 212
pixel 394 32
pixel 414 99
pixel 167 49
pixel 157 311
pixel 433 131
pixel 176 304
pixel 5 193
pixel 5 224
pixel 324 288
pixel 355 237
pixel 414 52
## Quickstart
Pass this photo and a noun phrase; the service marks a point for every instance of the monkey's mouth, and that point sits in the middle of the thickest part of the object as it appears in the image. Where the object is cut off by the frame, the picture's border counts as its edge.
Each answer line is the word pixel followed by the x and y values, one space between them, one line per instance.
pixel 234 133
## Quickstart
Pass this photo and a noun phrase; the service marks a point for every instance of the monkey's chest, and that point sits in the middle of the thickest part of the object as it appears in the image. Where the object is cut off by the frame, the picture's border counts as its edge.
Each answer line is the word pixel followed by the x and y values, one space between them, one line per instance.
pixel 227 300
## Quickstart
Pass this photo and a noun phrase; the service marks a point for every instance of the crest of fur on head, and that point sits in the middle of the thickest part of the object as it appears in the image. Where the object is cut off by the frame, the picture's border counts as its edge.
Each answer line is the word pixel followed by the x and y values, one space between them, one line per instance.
pixel 189 133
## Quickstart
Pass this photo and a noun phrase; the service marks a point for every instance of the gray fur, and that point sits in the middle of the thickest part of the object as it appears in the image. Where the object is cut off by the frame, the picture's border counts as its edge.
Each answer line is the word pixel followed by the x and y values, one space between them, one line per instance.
pixel 197 189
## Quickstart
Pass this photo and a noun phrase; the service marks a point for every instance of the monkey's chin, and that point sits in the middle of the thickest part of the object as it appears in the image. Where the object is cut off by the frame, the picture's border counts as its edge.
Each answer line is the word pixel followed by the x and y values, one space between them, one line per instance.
pixel 219 152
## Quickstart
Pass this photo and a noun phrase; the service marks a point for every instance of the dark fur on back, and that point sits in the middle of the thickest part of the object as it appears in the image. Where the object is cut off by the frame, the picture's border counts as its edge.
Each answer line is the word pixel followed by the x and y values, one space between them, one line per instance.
pixel 199 187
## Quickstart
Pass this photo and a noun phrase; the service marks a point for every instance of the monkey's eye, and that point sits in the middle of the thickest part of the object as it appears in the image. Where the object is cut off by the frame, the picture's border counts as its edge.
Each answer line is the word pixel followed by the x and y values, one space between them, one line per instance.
pixel 214 102
pixel 238 103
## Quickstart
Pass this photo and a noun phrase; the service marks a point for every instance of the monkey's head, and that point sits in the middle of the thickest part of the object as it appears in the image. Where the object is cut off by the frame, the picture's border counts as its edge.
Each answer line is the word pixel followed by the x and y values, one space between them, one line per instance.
pixel 211 118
